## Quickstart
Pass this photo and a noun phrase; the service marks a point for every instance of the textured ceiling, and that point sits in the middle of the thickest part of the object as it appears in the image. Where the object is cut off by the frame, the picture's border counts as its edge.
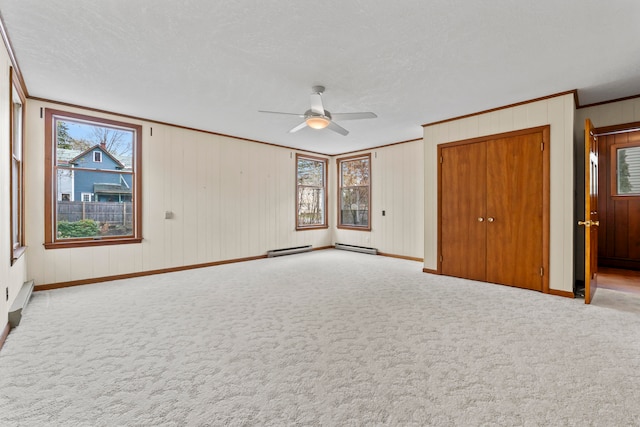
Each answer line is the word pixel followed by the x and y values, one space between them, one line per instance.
pixel 212 65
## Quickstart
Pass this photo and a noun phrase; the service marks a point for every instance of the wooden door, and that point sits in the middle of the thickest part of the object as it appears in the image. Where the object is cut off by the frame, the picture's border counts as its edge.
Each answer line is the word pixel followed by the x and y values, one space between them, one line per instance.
pixel 515 210
pixel 462 214
pixel 591 220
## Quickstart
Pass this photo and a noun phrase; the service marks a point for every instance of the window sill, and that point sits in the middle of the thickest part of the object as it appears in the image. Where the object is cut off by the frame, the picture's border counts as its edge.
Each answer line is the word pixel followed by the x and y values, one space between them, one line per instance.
pixel 312 227
pixel 347 227
pixel 89 243
pixel 17 253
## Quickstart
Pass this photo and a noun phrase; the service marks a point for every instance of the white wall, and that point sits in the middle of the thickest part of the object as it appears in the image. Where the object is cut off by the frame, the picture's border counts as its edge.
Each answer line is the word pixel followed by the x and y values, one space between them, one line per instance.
pixel 230 198
pixel 557 112
pixel 397 187
pixel 11 277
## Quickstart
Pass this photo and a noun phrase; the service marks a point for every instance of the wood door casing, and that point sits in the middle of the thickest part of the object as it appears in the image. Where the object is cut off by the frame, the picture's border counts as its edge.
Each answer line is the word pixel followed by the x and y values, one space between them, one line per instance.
pixel 519 254
pixel 515 211
pixel 463 174
pixel 619 231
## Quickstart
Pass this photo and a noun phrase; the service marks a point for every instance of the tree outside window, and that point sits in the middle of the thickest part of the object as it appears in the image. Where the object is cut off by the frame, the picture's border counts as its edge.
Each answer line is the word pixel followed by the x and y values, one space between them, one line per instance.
pixel 354 195
pixel 311 195
pixel 92 180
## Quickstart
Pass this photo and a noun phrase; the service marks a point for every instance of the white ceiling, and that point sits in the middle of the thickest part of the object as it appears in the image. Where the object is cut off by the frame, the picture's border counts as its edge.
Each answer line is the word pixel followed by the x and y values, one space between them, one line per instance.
pixel 212 65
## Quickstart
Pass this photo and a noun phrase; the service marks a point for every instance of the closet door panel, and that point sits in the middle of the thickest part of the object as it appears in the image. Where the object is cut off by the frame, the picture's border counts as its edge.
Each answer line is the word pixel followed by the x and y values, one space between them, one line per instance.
pixel 515 211
pixel 463 221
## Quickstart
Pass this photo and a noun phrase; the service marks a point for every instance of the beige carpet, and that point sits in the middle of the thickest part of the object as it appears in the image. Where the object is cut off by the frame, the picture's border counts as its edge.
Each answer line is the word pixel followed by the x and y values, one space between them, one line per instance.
pixel 323 338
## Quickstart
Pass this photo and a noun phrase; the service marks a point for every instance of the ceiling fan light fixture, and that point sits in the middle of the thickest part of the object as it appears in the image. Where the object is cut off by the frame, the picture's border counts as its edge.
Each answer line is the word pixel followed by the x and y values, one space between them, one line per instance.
pixel 317 122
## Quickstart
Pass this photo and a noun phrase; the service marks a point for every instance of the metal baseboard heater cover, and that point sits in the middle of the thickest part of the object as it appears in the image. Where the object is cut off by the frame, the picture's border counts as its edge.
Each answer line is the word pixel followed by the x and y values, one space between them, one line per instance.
pixel 20 303
pixel 288 251
pixel 362 249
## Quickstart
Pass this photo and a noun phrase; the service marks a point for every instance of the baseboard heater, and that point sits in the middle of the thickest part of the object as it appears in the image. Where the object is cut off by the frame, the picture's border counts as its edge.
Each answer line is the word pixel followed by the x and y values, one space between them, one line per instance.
pixel 363 249
pixel 288 251
pixel 15 313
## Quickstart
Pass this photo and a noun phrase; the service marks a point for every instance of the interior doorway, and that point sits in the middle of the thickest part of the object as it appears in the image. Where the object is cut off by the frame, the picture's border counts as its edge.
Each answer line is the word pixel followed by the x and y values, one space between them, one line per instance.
pixel 619 279
pixel 619 207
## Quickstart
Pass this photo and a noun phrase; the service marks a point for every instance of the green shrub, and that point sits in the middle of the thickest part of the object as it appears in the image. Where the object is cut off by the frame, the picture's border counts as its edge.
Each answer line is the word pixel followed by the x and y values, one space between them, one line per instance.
pixel 82 228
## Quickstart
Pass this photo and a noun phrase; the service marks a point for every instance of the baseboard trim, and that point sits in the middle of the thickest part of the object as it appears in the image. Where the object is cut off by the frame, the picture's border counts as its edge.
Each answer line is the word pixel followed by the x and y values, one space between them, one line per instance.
pixel 5 333
pixel 71 283
pixel 409 258
pixel 565 294
pixel 430 271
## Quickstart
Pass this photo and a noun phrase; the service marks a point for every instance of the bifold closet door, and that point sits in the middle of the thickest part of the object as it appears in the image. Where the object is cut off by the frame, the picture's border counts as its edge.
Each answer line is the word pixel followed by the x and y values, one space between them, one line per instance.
pixel 463 206
pixel 515 211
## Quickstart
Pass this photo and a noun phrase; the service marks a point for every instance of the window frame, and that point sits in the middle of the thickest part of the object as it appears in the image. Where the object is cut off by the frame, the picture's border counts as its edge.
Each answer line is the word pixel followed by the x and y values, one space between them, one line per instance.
pixel 614 170
pixel 50 239
pixel 325 188
pixel 97 156
pixel 339 162
pixel 16 181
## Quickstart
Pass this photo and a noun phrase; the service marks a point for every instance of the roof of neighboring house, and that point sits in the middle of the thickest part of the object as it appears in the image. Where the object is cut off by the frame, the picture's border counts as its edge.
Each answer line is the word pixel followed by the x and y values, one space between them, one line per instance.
pixel 64 155
pixel 97 147
pixel 68 156
pixel 111 189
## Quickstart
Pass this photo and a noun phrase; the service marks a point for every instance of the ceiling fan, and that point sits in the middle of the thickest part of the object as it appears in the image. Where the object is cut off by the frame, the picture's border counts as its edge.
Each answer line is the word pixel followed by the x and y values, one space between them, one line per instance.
pixel 319 118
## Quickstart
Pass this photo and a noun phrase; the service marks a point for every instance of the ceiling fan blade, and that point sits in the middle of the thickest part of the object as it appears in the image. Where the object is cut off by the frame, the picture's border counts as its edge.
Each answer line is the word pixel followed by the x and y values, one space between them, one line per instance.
pixel 337 128
pixel 353 116
pixel 316 103
pixel 298 127
pixel 279 112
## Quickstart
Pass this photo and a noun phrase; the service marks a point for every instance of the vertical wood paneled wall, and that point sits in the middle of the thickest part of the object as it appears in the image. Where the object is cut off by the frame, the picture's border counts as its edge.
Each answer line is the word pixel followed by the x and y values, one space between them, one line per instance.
pixel 230 199
pixel 397 187
pixel 11 276
pixel 557 112
pixel 610 114
pixel 619 231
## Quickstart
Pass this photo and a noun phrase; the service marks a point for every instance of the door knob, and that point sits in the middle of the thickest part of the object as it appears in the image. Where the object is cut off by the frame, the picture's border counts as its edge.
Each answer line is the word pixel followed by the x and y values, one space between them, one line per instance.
pixel 586 223
pixel 596 223
pixel 490 219
pixel 480 219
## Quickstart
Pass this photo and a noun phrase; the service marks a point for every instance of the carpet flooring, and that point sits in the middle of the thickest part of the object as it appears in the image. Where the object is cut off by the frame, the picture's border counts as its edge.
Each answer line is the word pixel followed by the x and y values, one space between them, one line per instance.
pixel 323 338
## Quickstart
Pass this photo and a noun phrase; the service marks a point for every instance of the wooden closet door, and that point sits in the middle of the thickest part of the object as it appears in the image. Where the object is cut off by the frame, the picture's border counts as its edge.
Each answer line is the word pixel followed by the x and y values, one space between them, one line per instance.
pixel 515 211
pixel 463 202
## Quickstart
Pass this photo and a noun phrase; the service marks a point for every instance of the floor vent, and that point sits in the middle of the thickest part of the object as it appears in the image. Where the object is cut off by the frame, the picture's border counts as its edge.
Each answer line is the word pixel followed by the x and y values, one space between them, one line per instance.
pixel 15 313
pixel 364 250
pixel 288 251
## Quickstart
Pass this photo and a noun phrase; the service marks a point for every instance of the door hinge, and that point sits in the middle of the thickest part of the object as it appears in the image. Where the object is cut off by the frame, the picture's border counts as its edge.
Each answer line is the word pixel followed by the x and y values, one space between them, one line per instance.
pixel 541 271
pixel 542 146
pixel 440 258
pixel 441 160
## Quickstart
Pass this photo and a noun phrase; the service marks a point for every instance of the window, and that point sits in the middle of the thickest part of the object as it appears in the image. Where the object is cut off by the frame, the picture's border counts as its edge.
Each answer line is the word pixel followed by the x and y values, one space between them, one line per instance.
pixel 92 179
pixel 354 193
pixel 16 170
pixel 311 197
pixel 626 181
